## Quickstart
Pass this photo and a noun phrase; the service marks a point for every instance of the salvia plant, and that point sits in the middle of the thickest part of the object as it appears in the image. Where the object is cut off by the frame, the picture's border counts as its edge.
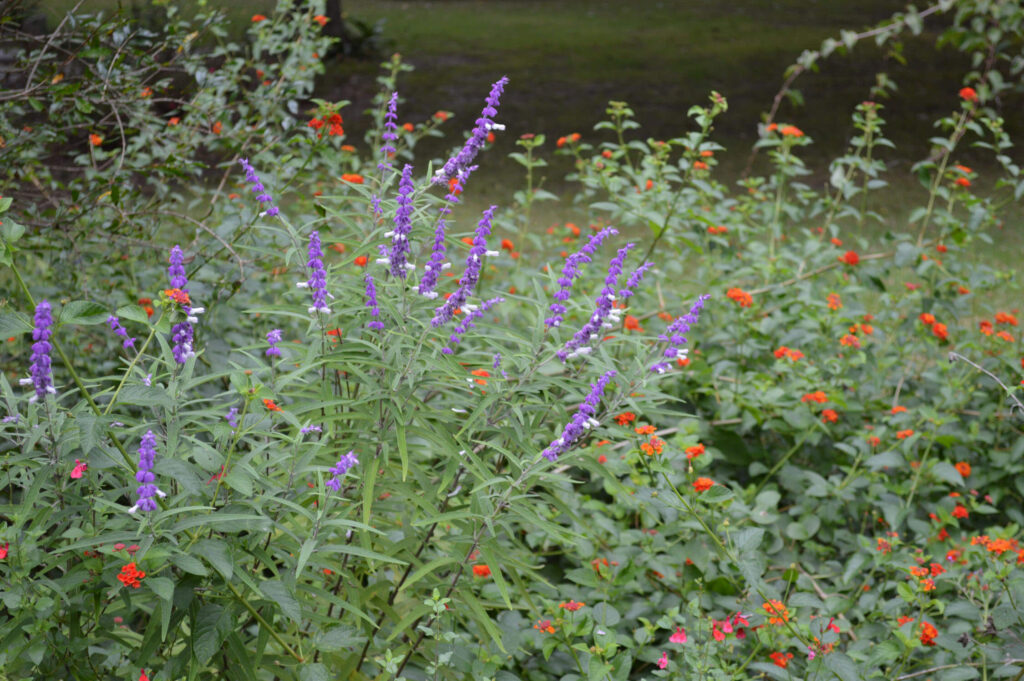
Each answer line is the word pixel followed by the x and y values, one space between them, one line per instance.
pixel 265 427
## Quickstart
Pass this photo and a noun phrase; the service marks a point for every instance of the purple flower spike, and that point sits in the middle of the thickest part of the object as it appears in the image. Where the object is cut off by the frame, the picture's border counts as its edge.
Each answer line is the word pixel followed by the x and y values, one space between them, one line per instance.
pixel 345 463
pixel 317 281
pixel 115 326
pixel 398 255
pixel 389 136
pixel 42 376
pixel 474 262
pixel 582 420
pixel 274 337
pixel 182 333
pixel 571 270
pixel 176 272
pixel 674 335
pixel 605 315
pixel 473 312
pixel 433 269
pixel 147 490
pixel 232 417
pixel 183 337
pixel 258 188
pixel 371 302
pixel 456 165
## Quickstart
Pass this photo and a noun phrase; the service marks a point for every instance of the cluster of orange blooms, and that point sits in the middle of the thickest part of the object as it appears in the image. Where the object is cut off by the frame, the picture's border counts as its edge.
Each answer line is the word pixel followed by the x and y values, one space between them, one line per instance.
pixel 985 326
pixel 938 329
pixel 572 139
pixel 789 353
pixel 740 296
pixel 777 612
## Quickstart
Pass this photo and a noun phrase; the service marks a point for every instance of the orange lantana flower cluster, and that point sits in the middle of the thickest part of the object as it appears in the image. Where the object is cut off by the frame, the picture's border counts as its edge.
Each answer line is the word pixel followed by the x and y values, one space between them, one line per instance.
pixel 740 296
pixel 938 329
pixel 789 353
pixel 777 612
pixel 131 576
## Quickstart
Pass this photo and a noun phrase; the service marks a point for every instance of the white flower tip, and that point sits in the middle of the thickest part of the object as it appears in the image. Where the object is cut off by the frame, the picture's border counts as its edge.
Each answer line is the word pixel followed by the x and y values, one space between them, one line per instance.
pixel 25 381
pixel 302 284
pixel 431 295
pixel 446 266
pixel 491 254
pixel 133 509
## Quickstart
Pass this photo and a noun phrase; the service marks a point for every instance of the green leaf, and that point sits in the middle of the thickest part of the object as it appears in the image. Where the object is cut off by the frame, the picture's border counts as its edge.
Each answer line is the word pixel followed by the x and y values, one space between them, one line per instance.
pixel 276 591
pixel 162 587
pixel 314 671
pixel 5 203
pixel 209 629
pixel 717 495
pixel 14 324
pixel 946 472
pixel 308 547
pixel 83 312
pixel 216 554
pixel 842 666
pixel 145 396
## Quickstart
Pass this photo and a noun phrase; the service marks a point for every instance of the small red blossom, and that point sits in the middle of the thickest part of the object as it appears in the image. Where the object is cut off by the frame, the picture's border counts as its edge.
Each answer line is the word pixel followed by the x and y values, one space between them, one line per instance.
pixel 256 18
pixel 968 94
pixel 481 571
pixel 740 296
pixel 703 484
pixel 829 416
pixel 850 258
pixel 270 405
pixel 695 451
pixel 131 576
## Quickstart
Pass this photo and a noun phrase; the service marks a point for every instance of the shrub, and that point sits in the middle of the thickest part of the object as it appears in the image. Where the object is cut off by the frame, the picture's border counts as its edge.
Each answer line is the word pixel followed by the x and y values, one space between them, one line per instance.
pixel 336 433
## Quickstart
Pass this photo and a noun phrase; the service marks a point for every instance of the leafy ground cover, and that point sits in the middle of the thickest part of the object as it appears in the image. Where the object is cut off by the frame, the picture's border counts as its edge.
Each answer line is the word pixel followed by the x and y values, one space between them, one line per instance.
pixel 277 405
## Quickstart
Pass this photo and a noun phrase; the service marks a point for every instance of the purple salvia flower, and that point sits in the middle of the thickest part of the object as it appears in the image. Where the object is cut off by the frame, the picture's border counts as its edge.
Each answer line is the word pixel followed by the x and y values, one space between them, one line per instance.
pixel 148 380
pixel 497 364
pixel 11 418
pixel 176 272
pixel 433 269
pixel 389 136
pixel 457 164
pixel 42 376
pixel 147 490
pixel 474 262
pixel 605 315
pixel 571 270
pixel 345 463
pixel 634 279
pixel 310 429
pixel 371 302
pixel 581 420
pixel 472 312
pixel 183 337
pixel 257 187
pixel 274 337
pixel 674 335
pixel 317 281
pixel 232 417
pixel 115 326
pixel 398 255
pixel 182 333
